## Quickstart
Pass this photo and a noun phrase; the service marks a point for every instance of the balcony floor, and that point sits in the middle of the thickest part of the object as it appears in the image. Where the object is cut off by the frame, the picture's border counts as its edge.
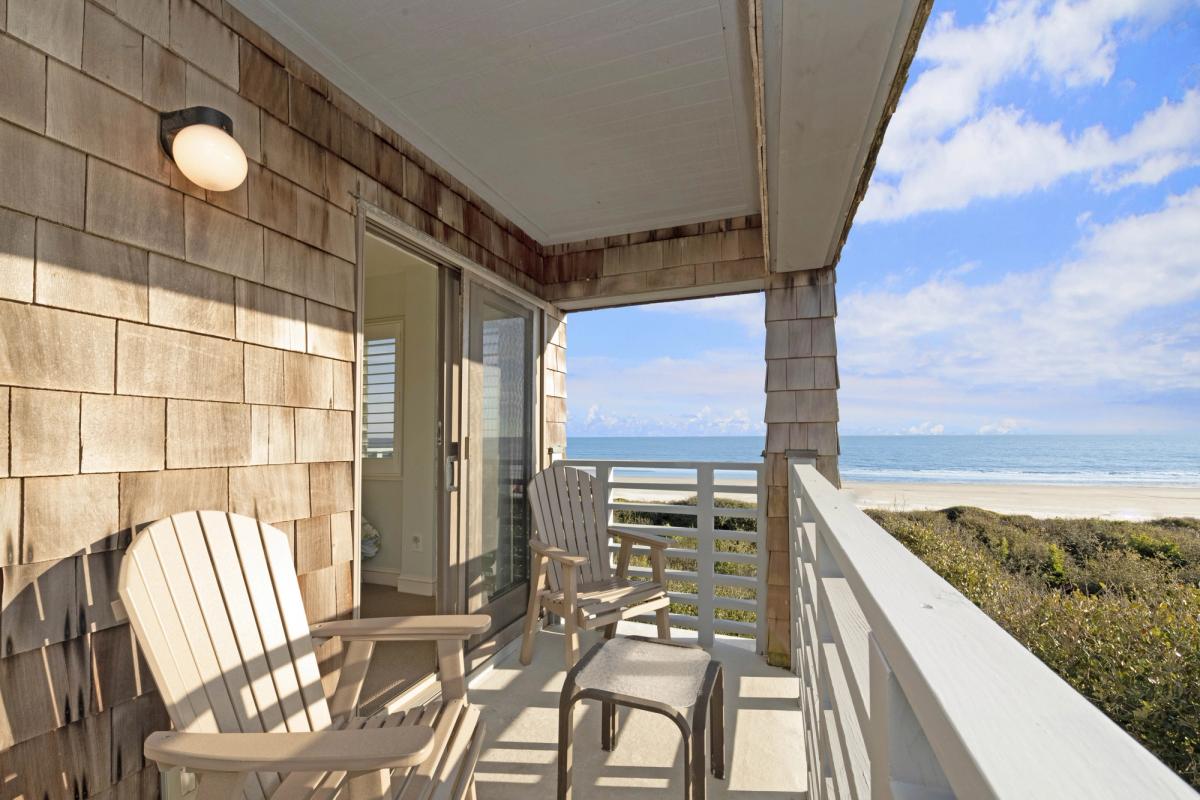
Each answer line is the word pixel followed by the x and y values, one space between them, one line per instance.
pixel 764 733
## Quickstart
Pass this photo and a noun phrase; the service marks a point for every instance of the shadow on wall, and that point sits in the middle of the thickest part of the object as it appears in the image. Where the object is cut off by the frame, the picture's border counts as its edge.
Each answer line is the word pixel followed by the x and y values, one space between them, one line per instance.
pixel 77 698
pixel 146 287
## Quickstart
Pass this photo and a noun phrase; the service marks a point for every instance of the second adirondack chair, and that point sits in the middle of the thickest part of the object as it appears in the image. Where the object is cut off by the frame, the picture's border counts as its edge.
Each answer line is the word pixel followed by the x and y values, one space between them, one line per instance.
pixel 572 573
pixel 215 603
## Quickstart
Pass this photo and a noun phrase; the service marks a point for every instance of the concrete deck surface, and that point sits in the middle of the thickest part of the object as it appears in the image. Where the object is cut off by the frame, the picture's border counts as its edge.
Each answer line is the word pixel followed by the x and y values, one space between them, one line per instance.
pixel 764 735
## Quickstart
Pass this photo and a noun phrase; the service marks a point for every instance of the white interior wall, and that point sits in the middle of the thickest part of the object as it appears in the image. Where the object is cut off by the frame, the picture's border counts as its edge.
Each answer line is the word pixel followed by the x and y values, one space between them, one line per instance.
pixel 400 501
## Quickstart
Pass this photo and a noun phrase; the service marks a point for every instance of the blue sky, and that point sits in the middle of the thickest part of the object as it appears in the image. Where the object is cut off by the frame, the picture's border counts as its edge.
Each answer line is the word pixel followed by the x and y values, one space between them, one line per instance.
pixel 1026 260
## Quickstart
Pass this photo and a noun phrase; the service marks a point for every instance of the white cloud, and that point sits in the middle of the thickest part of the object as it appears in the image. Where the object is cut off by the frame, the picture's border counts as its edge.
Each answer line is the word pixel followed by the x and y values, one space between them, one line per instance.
pixel 948 145
pixel 1095 319
pixel 1006 425
pixel 715 392
pixel 926 429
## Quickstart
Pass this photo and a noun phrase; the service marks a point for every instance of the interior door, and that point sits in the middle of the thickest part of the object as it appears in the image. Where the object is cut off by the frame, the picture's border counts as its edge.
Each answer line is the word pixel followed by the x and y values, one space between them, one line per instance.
pixel 500 388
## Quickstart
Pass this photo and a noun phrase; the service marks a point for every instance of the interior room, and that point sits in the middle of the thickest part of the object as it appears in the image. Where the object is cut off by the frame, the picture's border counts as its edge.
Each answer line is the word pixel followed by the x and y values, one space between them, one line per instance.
pixel 399 456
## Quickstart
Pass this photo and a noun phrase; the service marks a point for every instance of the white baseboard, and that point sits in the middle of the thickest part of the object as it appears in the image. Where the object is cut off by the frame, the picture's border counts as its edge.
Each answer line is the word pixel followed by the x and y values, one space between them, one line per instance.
pixel 403 583
pixel 421 586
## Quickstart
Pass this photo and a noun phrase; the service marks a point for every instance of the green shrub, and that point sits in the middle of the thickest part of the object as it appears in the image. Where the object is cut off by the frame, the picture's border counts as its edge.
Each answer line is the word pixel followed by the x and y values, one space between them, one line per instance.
pixel 1112 607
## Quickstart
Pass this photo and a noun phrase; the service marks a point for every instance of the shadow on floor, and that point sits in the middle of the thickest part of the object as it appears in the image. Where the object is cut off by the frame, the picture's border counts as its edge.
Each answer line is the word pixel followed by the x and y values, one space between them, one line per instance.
pixel 394 665
pixel 764 736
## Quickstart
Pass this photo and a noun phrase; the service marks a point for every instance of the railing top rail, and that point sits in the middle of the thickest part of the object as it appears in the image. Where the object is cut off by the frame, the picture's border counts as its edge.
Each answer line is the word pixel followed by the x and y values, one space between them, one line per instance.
pixel 730 466
pixel 1001 722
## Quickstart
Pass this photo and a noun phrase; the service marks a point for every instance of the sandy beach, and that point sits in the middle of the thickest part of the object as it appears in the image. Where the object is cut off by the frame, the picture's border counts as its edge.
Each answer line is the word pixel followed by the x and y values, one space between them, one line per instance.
pixel 1105 501
pixel 1037 500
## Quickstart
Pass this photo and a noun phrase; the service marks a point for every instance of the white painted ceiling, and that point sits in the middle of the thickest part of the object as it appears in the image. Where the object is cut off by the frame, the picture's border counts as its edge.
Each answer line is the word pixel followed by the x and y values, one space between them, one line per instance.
pixel 576 118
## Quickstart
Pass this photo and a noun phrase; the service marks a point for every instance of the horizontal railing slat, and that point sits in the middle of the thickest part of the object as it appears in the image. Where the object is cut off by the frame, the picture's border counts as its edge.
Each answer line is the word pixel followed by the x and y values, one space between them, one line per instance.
pixel 850 734
pixel 850 630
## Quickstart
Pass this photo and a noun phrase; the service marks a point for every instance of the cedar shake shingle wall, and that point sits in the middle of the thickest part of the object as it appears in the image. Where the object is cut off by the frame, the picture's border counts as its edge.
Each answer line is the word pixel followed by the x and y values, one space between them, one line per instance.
pixel 801 417
pixel 164 349
pixel 704 254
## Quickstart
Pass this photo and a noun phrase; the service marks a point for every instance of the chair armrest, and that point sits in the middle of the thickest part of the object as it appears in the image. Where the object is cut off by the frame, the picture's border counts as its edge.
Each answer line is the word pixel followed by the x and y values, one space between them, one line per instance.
pixel 430 627
pixel 651 539
pixel 319 751
pixel 557 554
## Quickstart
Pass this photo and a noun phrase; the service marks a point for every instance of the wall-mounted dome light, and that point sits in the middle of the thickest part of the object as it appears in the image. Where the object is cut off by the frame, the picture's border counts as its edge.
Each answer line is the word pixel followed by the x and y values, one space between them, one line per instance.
pixel 199 140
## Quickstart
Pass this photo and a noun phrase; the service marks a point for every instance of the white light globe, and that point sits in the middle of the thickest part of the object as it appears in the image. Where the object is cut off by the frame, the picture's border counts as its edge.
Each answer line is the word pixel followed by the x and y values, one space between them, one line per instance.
pixel 209 157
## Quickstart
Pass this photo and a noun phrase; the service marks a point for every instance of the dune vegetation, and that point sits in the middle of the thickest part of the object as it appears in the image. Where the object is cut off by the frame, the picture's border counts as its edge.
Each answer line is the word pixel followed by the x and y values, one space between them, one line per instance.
pixel 1113 607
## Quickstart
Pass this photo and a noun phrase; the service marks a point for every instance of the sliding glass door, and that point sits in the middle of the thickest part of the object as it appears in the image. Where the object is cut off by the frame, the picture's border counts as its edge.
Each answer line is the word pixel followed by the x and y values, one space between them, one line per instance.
pixel 500 386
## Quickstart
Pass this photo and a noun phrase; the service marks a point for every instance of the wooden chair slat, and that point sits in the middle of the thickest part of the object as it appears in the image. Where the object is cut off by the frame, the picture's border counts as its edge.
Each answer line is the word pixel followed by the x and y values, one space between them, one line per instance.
pixel 253 564
pixel 567 481
pixel 215 613
pixel 599 505
pixel 295 622
pixel 576 516
pixel 419 784
pixel 176 609
pixel 222 674
pixel 543 528
pixel 462 744
pixel 175 674
pixel 223 551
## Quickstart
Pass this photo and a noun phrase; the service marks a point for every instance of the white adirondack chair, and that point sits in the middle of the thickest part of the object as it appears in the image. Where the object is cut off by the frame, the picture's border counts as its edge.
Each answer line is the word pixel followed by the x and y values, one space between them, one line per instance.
pixel 570 556
pixel 215 604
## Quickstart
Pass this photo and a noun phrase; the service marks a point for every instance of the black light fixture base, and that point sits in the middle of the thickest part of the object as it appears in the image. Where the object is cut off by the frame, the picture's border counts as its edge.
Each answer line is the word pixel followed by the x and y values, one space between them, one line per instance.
pixel 172 122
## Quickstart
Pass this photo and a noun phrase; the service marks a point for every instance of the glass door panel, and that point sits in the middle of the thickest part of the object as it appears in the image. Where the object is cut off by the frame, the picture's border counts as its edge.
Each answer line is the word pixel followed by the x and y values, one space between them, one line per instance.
pixel 501 392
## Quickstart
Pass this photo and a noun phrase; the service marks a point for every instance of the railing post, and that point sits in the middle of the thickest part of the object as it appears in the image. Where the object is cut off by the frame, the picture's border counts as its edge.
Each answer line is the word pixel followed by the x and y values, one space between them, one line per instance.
pixel 898 750
pixel 705 566
pixel 604 476
pixel 760 593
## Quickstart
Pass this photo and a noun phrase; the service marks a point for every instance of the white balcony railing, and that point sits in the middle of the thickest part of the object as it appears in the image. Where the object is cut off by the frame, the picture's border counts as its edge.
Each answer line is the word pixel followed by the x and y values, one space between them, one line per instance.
pixel 910 691
pixel 705 481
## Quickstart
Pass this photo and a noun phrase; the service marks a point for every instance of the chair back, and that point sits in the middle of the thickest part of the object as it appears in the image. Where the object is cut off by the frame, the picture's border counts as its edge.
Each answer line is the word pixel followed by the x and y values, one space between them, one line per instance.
pixel 215 604
pixel 569 512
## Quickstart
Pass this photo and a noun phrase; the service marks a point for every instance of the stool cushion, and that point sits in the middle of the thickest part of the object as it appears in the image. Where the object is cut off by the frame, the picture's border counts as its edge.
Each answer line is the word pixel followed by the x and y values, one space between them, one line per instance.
pixel 647 670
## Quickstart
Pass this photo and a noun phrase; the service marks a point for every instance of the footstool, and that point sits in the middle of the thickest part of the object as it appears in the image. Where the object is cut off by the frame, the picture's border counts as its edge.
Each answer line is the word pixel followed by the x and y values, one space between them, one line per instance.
pixel 679 681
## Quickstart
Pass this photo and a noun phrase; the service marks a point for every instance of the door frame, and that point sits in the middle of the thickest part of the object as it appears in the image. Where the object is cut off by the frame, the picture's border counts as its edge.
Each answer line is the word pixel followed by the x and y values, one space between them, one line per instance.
pixel 374 220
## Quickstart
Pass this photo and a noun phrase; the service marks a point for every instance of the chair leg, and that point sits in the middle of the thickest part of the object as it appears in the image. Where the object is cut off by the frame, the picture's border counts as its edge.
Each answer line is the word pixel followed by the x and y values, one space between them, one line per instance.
pixel 570 618
pixel 374 785
pixel 531 620
pixel 659 568
pixel 571 639
pixel 220 785
pixel 531 612
pixel 610 631
pixel 663 617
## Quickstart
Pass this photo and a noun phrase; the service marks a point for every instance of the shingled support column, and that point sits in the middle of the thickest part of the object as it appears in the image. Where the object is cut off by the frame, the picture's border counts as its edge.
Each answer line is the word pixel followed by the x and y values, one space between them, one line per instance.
pixel 801 417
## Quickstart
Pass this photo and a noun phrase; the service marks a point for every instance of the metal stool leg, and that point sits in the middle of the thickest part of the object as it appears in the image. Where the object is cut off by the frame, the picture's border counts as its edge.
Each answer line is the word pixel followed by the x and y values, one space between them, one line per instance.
pixel 717 733
pixel 699 778
pixel 608 725
pixel 689 754
pixel 565 730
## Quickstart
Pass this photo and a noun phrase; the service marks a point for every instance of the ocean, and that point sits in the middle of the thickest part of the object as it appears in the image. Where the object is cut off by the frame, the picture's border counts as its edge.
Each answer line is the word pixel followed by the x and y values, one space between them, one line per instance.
pixel 1041 459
